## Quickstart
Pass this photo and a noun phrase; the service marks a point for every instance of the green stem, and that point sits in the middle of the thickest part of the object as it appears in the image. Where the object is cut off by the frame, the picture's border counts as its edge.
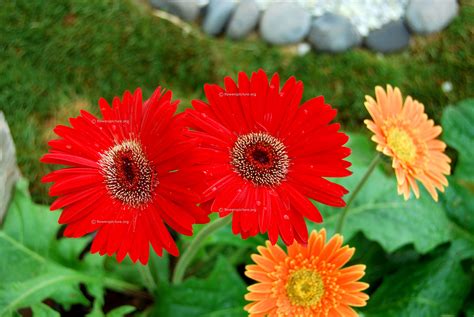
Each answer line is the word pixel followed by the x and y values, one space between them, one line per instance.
pixel 125 287
pixel 370 169
pixel 213 253
pixel 194 247
pixel 147 277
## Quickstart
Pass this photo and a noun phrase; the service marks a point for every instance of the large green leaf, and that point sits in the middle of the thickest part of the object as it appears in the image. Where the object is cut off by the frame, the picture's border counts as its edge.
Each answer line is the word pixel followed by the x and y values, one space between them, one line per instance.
pixel 27 245
pixel 459 203
pixel 381 214
pixel 459 206
pixel 434 288
pixel 458 127
pixel 378 262
pixel 221 294
pixel 35 265
pixel 385 217
pixel 458 132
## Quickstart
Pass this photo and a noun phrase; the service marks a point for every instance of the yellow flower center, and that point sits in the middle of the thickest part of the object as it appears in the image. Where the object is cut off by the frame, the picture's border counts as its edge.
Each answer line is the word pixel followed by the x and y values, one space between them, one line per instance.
pixel 401 144
pixel 305 288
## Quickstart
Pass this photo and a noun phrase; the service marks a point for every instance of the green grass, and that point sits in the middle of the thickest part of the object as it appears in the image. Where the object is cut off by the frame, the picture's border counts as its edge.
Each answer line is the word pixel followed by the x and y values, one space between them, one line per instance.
pixel 56 57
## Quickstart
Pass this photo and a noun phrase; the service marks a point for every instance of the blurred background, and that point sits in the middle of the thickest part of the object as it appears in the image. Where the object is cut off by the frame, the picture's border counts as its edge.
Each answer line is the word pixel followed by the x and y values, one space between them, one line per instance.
pixel 58 57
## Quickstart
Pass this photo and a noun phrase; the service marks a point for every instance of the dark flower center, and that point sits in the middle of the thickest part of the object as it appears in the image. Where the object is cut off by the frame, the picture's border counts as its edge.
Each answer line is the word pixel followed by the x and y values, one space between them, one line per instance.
pixel 127 169
pixel 128 175
pixel 260 158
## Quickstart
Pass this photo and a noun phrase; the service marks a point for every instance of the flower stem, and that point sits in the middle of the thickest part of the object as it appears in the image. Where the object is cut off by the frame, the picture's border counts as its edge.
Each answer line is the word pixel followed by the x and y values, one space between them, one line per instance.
pixel 147 277
pixel 125 287
pixel 194 247
pixel 370 169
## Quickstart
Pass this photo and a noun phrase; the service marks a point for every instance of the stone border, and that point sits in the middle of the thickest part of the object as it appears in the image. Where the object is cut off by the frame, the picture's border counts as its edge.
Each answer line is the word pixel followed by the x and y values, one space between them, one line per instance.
pixel 333 26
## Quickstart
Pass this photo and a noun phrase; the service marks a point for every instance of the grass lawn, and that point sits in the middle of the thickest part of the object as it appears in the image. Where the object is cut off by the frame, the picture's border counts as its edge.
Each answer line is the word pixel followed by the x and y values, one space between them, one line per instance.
pixel 58 57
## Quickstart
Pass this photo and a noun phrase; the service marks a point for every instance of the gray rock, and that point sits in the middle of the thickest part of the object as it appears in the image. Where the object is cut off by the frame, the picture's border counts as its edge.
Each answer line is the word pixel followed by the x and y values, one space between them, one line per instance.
pixel 391 37
pixel 333 33
pixel 9 172
pixel 285 23
pixel 187 10
pixel 428 16
pixel 218 13
pixel 244 19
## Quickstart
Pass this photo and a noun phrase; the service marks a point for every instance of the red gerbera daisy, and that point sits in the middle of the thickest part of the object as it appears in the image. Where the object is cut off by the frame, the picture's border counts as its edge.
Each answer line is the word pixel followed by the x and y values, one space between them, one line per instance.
pixel 260 155
pixel 124 179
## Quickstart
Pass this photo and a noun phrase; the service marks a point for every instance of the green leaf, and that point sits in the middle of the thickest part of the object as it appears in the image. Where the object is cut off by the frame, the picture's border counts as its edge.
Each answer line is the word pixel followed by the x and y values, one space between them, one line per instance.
pixel 97 291
pixel 362 150
pixel 378 262
pixel 121 311
pixel 224 236
pixel 68 250
pixel 459 205
pixel 469 308
pixel 381 214
pixel 26 243
pixel 458 202
pixel 43 310
pixel 222 242
pixel 434 288
pixel 458 132
pixel 220 294
pixel 160 268
pixel 35 265
pixel 385 217
pixel 458 127
pixel 125 270
pixel 33 290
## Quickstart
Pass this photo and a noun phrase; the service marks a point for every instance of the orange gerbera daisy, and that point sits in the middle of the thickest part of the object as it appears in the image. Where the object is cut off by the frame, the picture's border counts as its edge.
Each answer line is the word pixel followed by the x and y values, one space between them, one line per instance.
pixel 403 131
pixel 308 281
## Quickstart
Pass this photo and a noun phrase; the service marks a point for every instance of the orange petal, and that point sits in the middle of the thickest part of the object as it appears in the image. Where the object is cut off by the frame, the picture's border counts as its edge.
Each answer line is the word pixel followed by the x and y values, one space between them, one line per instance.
pixel 343 256
pixel 258 276
pixel 414 186
pixel 260 288
pixel 263 262
pixel 256 296
pixel 332 246
pixel 263 306
pixel 382 100
pixel 351 274
pixel 356 287
pixel 352 300
pixel 346 311
pixel 275 250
